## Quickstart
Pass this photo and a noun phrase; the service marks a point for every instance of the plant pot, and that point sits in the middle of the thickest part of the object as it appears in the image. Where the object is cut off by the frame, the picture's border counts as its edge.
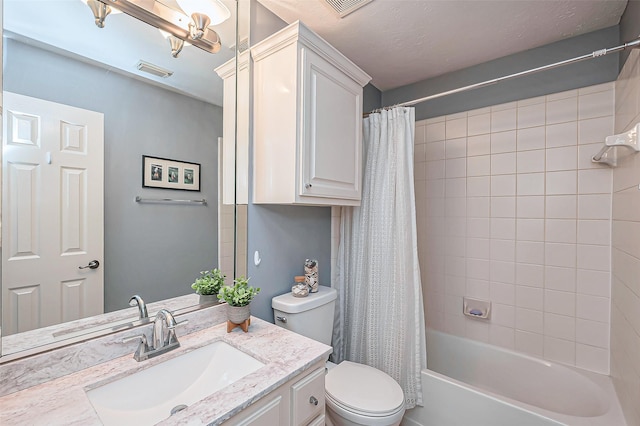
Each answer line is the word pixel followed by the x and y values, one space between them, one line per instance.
pixel 238 314
pixel 208 298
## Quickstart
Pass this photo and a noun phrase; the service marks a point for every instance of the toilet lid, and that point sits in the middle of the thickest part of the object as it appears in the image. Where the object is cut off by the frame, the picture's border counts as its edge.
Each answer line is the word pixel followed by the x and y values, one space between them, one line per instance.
pixel 363 388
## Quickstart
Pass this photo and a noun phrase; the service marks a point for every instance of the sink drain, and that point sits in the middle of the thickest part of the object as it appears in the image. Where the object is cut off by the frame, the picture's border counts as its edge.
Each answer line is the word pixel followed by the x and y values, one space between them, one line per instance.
pixel 178 408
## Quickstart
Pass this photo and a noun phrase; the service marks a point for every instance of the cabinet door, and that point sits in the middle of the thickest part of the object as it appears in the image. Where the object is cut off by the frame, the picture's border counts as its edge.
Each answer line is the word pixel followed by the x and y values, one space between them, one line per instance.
pixel 267 414
pixel 331 131
pixel 307 398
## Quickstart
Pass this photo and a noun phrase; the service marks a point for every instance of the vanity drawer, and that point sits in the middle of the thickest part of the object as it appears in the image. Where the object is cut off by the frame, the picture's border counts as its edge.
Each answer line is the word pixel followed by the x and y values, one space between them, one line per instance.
pixel 307 398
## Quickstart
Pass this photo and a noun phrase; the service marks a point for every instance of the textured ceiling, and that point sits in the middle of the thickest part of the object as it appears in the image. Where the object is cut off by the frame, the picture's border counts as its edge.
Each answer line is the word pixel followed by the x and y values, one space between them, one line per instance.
pixel 399 42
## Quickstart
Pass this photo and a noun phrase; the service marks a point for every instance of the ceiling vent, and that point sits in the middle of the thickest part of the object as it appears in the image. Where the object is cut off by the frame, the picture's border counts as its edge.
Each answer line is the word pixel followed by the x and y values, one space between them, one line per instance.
pixel 344 7
pixel 153 69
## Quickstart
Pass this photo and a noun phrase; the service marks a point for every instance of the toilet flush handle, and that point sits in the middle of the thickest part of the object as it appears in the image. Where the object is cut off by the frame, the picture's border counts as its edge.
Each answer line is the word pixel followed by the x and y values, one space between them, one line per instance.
pixel 282 319
pixel 313 400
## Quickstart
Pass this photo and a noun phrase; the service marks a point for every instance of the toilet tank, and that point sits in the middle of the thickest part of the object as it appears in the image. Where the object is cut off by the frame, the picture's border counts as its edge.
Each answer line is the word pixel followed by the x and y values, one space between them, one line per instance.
pixel 311 316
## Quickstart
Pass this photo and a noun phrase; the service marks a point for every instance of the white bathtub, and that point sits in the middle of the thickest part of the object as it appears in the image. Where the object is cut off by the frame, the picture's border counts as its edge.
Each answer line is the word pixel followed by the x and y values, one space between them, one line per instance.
pixel 473 383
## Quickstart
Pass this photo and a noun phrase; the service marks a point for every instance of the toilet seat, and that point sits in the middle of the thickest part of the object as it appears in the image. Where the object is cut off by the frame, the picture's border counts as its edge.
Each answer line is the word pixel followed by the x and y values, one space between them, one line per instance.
pixel 363 390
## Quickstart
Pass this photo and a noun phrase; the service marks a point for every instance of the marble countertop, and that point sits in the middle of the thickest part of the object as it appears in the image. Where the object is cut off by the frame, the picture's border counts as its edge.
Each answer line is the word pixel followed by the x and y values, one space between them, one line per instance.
pixel 63 401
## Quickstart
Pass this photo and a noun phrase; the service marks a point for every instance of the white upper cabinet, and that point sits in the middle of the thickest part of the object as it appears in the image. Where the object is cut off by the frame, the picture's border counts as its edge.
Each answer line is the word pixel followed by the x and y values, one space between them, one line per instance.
pixel 307 121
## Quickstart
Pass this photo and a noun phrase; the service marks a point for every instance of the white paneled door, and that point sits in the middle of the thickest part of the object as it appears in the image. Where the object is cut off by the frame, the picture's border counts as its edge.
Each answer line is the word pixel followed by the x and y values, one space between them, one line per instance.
pixel 52 213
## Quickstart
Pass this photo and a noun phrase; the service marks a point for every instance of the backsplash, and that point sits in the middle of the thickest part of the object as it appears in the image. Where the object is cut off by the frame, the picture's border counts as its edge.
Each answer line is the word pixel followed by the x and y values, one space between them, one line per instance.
pixel 512 210
pixel 625 307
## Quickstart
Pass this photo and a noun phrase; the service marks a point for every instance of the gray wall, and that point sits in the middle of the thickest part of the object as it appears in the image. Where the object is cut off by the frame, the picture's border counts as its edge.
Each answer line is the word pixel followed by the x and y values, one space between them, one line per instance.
pixel 284 235
pixel 154 250
pixel 560 79
pixel 629 27
pixel 371 98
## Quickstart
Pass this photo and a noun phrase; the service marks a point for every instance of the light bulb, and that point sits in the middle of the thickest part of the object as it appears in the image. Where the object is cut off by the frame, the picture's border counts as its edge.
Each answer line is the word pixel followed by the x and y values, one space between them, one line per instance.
pixel 214 9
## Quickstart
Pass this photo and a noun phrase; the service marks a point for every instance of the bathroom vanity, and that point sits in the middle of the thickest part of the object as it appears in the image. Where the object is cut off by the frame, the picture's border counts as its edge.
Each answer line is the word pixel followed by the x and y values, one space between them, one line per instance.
pixel 286 386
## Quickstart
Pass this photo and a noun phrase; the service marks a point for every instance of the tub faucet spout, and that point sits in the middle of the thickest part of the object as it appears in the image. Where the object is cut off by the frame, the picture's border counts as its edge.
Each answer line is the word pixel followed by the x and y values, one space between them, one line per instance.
pixel 136 300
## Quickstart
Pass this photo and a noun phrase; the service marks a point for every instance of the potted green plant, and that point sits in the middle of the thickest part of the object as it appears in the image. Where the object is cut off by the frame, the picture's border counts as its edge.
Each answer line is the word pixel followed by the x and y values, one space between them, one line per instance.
pixel 208 285
pixel 238 298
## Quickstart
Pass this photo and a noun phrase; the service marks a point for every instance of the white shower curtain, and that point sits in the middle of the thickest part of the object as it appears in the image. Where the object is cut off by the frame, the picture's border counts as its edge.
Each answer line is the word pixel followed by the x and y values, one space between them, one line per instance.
pixel 379 317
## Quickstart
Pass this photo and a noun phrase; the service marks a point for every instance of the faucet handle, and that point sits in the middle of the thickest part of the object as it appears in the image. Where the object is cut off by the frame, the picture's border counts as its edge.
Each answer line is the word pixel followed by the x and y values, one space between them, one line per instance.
pixel 141 337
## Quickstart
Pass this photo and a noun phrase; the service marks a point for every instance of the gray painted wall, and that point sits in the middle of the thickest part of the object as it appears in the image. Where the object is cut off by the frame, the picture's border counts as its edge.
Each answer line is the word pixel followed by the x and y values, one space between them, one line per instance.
pixel 154 250
pixel 371 98
pixel 629 27
pixel 284 235
pixel 582 74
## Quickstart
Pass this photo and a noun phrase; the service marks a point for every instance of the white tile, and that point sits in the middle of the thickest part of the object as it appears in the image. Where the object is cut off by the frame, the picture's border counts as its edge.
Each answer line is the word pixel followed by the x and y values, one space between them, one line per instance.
pixel 529 343
pixel 504 272
pixel 503 185
pixel 594 206
pixel 478 206
pixel 501 336
pixel 560 206
pixel 436 132
pixel 456 187
pixel 592 333
pixel 530 184
pixel 595 105
pixel 562 110
pixel 529 320
pixel 529 297
pixel 560 183
pixel 531 161
pixel 532 138
pixel 503 142
pixel 559 350
pixel 532 101
pixel 433 120
pixel 530 229
pixel 503 228
pixel 557 254
pixel 479 111
pixel 502 293
pixel 503 207
pixel 531 115
pixel 420 153
pixel 502 107
pixel 434 151
pixel 435 169
pixel 596 181
pixel 478 289
pixel 456 148
pixel 592 359
pixel 563 134
pixel 503 164
pixel 479 124
pixel 564 158
pixel 593 308
pixel 603 87
pixel 594 283
pixel 594 232
pixel 479 145
pixel 503 120
pixel 476 330
pixel 562 95
pixel 455 207
pixel 560 302
pixel 586 152
pixel 478 227
pixel 559 326
pixel 529 274
pixel 456 116
pixel 558 278
pixel 595 130
pixel 530 206
pixel 560 230
pixel 479 166
pixel 594 257
pixel 503 250
pixel 456 128
pixel 478 186
pixel 456 167
pixel 420 171
pixel 478 268
pixel 530 252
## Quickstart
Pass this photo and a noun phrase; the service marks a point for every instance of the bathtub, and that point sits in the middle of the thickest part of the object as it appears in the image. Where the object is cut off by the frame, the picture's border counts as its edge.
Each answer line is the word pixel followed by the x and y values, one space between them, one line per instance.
pixel 473 383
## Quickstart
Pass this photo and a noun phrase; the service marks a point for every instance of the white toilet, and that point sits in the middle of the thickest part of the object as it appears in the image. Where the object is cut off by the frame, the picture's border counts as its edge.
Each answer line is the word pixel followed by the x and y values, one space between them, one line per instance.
pixel 356 394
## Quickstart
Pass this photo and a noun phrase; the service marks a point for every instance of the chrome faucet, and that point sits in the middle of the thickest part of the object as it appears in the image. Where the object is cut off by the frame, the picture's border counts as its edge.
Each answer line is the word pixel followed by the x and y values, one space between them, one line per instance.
pixel 136 300
pixel 163 339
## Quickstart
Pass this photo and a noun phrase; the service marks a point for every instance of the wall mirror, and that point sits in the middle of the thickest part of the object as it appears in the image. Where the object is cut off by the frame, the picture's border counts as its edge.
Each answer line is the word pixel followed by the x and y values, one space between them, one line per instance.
pixel 66 84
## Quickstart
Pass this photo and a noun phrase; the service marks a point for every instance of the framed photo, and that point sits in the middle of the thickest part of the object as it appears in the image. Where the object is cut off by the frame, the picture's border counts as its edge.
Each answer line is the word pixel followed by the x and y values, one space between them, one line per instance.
pixel 170 174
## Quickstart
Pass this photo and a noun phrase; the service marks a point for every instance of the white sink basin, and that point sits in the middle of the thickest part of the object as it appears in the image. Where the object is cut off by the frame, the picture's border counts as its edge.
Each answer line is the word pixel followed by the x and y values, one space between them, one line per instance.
pixel 148 396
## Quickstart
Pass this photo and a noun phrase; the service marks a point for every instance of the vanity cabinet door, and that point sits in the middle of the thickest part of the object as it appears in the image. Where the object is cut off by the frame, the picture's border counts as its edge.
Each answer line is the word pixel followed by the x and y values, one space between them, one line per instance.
pixel 307 398
pixel 265 414
pixel 332 131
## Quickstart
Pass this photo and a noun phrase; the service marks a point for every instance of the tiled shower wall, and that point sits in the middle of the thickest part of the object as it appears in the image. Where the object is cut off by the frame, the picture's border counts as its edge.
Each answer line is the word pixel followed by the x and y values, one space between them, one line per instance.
pixel 625 307
pixel 511 209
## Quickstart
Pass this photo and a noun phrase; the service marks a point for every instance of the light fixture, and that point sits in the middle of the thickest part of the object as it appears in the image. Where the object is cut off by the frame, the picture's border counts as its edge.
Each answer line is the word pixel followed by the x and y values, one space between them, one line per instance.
pixel 175 43
pixel 100 11
pixel 203 13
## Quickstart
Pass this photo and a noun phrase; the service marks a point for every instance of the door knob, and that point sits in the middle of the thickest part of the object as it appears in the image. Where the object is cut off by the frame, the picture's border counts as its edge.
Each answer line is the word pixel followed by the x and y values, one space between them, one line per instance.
pixel 94 264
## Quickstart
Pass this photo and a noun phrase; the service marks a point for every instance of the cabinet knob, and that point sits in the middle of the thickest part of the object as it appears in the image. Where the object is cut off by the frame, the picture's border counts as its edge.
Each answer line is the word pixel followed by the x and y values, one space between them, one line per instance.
pixel 307 185
pixel 313 400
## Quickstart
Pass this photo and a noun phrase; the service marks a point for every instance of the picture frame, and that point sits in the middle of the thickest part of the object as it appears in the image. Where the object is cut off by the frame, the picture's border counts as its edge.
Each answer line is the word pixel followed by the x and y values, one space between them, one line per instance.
pixel 165 173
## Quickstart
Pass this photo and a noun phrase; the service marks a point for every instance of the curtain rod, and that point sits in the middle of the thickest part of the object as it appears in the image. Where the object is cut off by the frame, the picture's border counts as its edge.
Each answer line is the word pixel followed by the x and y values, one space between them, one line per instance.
pixel 598 53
